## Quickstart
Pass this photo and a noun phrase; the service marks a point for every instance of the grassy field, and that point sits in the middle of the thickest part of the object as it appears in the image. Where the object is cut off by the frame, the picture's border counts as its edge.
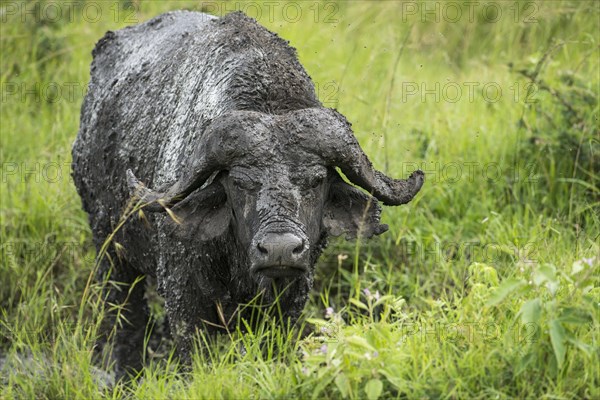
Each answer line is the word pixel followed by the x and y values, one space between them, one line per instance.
pixel 485 286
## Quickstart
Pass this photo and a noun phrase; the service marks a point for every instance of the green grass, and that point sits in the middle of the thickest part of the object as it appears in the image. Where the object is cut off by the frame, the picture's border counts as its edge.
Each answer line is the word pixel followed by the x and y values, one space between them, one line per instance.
pixel 486 285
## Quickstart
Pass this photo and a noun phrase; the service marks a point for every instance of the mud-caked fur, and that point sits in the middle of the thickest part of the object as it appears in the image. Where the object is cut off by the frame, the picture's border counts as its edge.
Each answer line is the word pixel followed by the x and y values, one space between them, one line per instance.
pixel 217 119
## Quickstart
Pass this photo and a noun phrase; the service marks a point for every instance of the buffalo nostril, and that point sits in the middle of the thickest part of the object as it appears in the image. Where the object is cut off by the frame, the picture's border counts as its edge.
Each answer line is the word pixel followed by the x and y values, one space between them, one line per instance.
pixel 261 249
pixel 299 248
pixel 280 248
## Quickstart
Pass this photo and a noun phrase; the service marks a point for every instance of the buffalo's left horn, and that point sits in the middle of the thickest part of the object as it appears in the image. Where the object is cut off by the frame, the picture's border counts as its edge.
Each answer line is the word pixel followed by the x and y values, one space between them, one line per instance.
pixel 339 147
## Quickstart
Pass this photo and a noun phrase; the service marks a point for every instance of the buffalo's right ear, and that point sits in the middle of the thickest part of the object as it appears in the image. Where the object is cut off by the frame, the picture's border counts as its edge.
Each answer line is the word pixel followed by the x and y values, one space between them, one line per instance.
pixel 351 211
pixel 202 214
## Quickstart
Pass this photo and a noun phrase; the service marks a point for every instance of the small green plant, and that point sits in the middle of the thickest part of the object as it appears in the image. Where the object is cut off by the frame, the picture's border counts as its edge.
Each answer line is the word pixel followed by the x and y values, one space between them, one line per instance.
pixel 557 309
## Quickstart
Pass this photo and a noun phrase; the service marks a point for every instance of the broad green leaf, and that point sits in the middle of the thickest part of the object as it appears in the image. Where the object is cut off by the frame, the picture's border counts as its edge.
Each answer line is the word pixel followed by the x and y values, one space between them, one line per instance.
pixel 343 384
pixel 392 375
pixel 506 288
pixel 383 299
pixel 359 304
pixel 318 322
pixel 557 337
pixel 483 273
pixel 531 311
pixel 524 362
pixel 573 315
pixel 545 273
pixel 360 342
pixel 373 389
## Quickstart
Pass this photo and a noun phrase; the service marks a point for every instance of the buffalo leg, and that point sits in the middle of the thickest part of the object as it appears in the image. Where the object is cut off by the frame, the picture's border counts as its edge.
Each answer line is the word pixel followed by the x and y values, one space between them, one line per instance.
pixel 128 321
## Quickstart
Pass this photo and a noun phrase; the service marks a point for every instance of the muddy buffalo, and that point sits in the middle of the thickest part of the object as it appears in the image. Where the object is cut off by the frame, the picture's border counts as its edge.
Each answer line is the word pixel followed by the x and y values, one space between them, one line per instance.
pixel 215 120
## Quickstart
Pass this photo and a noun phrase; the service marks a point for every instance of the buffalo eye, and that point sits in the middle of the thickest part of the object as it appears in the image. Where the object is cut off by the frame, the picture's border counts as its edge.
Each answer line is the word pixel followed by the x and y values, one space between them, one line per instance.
pixel 311 181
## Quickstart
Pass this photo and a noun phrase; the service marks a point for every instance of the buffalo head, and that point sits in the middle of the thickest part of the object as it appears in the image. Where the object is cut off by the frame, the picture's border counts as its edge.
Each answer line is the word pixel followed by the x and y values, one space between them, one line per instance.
pixel 273 179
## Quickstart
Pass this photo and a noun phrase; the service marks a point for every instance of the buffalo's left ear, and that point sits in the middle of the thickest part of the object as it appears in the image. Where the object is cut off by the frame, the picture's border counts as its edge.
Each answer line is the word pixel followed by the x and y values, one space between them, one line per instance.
pixel 349 210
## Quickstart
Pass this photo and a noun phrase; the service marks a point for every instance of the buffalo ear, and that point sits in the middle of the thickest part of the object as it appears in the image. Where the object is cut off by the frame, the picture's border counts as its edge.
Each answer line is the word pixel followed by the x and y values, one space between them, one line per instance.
pixel 351 211
pixel 202 215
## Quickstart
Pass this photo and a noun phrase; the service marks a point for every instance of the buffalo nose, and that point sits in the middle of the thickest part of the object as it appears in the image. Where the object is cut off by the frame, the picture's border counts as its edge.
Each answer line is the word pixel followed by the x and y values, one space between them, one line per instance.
pixel 281 248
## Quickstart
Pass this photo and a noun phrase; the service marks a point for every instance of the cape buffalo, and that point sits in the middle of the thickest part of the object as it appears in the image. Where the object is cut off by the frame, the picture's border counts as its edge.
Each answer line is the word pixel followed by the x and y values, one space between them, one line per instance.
pixel 215 120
